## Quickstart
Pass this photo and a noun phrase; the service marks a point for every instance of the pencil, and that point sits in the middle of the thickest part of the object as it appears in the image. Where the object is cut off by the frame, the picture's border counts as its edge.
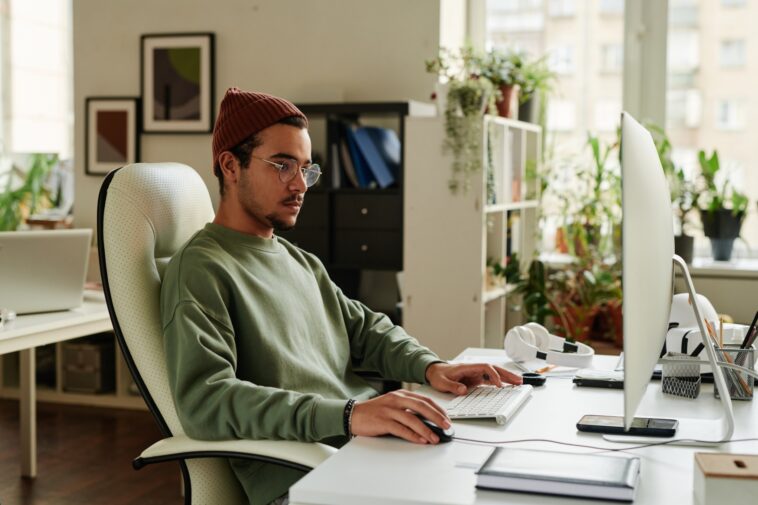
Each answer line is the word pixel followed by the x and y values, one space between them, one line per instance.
pixel 721 331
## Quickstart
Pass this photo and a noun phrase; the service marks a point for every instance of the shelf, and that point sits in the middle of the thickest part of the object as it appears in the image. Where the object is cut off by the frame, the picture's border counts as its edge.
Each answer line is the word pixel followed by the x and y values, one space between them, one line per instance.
pixel 94 400
pixel 493 294
pixel 503 207
pixel 409 108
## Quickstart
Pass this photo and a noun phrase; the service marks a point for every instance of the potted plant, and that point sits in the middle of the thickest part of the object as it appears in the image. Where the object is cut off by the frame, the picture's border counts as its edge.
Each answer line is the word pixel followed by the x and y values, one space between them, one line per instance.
pixel 536 83
pixel 504 71
pixel 722 209
pixel 684 194
pixel 18 201
pixel 469 95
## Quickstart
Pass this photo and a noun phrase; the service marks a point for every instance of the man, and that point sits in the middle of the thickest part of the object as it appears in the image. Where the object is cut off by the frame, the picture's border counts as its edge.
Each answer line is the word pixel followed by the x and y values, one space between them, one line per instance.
pixel 260 342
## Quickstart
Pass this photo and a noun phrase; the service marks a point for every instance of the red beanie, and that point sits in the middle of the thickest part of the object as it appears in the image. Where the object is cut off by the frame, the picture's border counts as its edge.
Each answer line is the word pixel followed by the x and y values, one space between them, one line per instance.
pixel 245 113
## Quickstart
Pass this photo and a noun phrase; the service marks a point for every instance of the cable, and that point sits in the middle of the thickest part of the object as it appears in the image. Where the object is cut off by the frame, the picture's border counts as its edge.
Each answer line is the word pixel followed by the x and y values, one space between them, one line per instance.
pixel 600 449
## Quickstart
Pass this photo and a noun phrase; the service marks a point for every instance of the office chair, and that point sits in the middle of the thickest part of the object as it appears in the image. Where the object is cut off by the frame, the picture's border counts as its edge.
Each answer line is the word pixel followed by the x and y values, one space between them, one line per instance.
pixel 146 212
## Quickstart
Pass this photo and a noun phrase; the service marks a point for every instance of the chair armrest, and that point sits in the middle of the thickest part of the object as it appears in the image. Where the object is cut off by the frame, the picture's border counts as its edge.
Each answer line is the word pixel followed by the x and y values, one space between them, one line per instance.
pixel 298 455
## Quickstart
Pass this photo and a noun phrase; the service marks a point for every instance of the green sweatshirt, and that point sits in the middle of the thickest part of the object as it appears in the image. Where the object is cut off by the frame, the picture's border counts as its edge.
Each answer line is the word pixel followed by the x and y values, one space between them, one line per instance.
pixel 260 344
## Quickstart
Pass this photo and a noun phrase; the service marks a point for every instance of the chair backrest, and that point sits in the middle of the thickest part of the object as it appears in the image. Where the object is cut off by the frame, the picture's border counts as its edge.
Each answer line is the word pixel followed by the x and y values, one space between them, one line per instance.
pixel 146 212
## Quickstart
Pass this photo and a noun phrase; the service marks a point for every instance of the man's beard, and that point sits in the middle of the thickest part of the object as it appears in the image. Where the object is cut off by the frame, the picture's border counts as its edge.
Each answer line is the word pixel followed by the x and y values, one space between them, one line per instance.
pixel 279 225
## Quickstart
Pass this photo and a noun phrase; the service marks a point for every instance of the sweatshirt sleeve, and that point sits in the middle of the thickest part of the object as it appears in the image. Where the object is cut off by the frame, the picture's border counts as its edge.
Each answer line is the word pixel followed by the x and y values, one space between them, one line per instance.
pixel 378 344
pixel 213 404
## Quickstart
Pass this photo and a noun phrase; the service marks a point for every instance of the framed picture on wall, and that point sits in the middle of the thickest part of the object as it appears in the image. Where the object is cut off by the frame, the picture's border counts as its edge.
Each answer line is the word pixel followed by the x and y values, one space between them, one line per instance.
pixel 112 138
pixel 177 82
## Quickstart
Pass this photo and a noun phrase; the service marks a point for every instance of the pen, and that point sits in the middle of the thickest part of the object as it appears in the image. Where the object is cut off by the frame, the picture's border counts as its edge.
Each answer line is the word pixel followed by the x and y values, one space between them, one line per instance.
pixel 747 341
pixel 544 369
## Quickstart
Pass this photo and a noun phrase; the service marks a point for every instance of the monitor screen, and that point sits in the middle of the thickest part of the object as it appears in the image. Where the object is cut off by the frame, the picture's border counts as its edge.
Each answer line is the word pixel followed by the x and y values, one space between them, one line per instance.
pixel 647 252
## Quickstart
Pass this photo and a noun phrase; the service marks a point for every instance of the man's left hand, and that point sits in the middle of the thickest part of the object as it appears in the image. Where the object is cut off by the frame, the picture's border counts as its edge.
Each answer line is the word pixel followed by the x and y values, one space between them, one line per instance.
pixel 457 378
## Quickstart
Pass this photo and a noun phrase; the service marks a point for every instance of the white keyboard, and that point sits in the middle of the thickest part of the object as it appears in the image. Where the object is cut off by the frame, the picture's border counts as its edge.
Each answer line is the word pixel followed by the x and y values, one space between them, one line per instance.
pixel 489 402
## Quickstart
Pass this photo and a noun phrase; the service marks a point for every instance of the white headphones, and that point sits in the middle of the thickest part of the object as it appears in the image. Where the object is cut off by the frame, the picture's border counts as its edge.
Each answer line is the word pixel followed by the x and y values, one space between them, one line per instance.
pixel 532 341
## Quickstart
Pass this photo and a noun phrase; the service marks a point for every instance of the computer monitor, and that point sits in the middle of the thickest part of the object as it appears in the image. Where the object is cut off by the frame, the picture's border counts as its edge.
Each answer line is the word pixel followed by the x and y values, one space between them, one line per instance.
pixel 647 280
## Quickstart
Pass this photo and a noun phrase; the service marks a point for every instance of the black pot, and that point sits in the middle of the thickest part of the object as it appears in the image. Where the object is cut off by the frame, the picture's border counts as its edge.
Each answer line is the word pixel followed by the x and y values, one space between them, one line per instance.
pixel 684 247
pixel 529 111
pixel 721 223
pixel 722 227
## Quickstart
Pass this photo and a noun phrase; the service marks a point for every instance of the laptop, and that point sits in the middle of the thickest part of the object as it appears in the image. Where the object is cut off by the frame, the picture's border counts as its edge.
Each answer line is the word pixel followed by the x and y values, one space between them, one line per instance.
pixel 43 271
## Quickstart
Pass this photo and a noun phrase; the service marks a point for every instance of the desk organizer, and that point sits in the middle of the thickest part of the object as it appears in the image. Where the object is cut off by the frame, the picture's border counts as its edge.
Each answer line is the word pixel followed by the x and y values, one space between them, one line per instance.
pixel 725 479
pixel 738 383
pixel 680 379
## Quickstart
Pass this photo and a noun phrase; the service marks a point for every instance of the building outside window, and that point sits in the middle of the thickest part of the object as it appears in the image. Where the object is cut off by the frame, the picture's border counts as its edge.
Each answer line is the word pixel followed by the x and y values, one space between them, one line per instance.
pixel 612 58
pixel 710 79
pixel 732 53
pixel 615 7
pixel 730 115
pixel 561 8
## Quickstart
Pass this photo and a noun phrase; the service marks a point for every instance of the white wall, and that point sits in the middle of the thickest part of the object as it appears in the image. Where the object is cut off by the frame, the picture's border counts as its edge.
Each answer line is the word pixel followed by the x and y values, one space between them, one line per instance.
pixel 317 50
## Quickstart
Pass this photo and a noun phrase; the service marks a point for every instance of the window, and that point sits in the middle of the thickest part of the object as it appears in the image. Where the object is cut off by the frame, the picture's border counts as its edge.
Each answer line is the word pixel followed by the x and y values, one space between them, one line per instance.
pixel 607 114
pixel 683 13
pixel 37 78
pixel 683 50
pixel 732 53
pixel 683 108
pixel 612 58
pixel 561 8
pixel 615 7
pixel 730 115
pixel 709 97
pixel 561 116
pixel 561 60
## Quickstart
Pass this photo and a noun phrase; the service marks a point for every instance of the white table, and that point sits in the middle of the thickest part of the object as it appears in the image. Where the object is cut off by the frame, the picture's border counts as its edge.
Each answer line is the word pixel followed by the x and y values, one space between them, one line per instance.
pixel 26 333
pixel 388 470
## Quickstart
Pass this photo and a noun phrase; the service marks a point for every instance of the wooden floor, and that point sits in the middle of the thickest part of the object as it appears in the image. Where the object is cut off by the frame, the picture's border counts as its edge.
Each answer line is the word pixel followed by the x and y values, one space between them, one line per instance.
pixel 84 457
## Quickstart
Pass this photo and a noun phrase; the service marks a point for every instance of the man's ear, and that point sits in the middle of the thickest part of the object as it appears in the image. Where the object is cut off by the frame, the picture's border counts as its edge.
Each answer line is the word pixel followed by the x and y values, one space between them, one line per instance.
pixel 230 167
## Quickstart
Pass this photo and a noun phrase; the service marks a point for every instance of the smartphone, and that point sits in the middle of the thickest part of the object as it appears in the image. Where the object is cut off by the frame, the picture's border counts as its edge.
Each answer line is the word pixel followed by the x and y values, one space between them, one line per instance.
pixel 598 383
pixel 648 426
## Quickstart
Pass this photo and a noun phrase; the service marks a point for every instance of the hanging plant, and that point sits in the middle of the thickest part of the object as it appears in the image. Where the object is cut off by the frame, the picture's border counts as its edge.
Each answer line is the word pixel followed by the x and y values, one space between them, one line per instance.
pixel 467 101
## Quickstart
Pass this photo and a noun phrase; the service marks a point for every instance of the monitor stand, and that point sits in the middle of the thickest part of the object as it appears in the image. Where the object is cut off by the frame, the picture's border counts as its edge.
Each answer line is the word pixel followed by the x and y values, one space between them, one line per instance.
pixel 697 432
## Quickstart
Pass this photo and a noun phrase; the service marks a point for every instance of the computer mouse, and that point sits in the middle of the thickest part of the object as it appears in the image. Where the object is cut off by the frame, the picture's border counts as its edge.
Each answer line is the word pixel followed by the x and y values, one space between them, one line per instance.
pixel 444 435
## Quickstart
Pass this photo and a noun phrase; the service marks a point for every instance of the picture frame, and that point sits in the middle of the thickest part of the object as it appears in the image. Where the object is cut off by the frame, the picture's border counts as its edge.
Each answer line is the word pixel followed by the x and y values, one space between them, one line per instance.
pixel 111 132
pixel 177 82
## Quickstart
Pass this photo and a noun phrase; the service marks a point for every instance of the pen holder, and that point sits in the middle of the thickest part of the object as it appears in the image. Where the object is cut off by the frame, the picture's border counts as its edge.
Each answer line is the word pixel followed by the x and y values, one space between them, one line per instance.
pixel 738 383
pixel 680 379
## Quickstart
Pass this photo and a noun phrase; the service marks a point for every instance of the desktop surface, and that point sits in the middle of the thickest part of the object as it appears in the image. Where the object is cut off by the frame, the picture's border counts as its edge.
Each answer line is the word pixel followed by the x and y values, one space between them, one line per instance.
pixel 445 473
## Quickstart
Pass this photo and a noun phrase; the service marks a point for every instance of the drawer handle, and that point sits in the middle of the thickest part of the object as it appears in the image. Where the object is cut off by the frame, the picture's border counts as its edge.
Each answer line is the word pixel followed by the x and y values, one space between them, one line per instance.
pixel 364 211
pixel 364 247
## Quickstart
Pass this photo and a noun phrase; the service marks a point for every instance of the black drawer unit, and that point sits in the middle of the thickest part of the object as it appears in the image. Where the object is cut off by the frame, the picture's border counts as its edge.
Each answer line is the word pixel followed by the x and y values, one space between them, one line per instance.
pixel 349 222
pixel 315 211
pixel 371 249
pixel 368 211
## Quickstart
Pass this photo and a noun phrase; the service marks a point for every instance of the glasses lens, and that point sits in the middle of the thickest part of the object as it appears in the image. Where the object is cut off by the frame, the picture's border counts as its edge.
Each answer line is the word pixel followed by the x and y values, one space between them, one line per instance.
pixel 312 174
pixel 288 170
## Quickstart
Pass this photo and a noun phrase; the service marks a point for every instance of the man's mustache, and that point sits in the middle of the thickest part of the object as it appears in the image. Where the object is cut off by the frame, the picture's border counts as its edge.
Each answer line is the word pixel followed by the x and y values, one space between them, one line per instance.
pixel 293 199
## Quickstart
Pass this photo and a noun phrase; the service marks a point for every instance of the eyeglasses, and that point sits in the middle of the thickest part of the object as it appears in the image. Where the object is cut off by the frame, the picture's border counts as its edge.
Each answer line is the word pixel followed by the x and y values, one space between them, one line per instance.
pixel 288 169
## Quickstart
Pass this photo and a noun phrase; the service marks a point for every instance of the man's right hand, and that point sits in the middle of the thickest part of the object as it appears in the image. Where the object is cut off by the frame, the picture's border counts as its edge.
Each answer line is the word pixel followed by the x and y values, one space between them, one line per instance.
pixel 389 415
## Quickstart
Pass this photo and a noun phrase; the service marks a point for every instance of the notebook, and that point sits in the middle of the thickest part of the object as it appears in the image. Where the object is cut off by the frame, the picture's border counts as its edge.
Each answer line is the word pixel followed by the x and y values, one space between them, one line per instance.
pixel 560 473
pixel 43 271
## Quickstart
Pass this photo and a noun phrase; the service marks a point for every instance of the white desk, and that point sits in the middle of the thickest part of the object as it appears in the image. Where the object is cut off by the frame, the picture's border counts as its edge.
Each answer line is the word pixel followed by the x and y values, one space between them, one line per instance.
pixel 388 470
pixel 28 332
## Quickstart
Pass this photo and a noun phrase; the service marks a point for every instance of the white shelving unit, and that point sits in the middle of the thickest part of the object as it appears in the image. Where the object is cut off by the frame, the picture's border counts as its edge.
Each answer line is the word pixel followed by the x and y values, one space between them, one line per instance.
pixel 448 301
pixel 123 396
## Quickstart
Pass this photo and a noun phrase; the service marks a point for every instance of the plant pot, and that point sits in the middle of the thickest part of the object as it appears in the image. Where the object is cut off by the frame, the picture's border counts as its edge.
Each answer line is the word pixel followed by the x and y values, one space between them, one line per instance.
pixel 722 227
pixel 507 106
pixel 440 96
pixel 529 111
pixel 684 247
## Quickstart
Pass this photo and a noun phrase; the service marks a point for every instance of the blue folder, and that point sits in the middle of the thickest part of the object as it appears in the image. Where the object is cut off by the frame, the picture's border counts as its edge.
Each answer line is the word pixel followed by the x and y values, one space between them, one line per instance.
pixel 365 179
pixel 374 159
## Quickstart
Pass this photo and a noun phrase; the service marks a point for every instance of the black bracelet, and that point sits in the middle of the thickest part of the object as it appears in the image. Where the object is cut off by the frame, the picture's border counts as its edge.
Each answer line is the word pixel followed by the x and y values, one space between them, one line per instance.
pixel 347 416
